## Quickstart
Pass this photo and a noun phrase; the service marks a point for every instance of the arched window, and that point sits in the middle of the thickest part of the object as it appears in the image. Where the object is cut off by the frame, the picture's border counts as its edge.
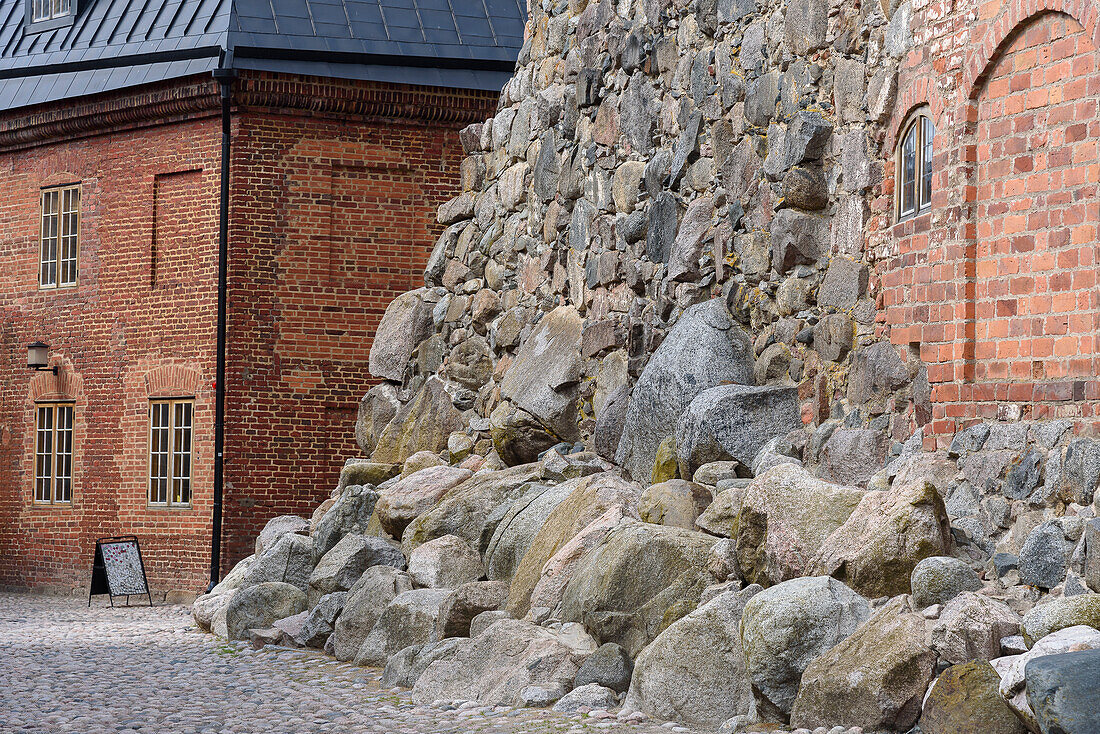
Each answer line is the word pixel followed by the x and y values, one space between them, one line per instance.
pixel 914 168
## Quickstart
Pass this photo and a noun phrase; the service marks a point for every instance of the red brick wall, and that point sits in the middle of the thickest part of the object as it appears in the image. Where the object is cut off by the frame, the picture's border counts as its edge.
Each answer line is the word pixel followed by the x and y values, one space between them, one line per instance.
pixel 996 285
pixel 332 217
pixel 119 339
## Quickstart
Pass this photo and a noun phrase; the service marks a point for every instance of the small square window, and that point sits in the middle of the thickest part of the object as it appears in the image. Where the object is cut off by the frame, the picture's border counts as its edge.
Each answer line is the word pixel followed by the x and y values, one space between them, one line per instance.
pixel 170 423
pixel 53 453
pixel 59 237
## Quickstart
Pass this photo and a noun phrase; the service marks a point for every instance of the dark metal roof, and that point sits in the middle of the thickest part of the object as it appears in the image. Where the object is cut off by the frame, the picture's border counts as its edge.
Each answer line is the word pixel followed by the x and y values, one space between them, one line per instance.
pixel 112 44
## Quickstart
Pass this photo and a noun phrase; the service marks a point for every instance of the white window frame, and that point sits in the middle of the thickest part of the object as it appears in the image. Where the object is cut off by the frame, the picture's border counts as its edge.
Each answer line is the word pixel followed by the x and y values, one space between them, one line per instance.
pixel 59 237
pixel 923 134
pixel 171 464
pixel 43 10
pixel 53 464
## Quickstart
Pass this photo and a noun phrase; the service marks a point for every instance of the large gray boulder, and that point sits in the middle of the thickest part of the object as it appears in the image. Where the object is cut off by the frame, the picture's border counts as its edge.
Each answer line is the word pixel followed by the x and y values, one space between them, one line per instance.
pixel 875 678
pixel 1044 556
pixel 573 528
pixel 885 537
pixel 364 604
pixel 705 348
pixel 470 510
pixel 260 606
pixel 321 620
pixel 376 410
pixel 636 581
pixel 350 513
pixel 733 422
pixel 410 619
pixel 279 526
pixel 609 667
pixel 939 579
pixel 851 456
pixel 1057 614
pixel 971 627
pixel 406 666
pixel 1063 691
pixel 786 627
pixel 422 424
pixel 543 378
pixel 965 699
pixel 520 525
pixel 675 502
pixel 1013 668
pixel 445 563
pixel 289 559
pixel 1080 476
pixel 694 671
pixel 208 606
pixel 406 323
pixel 785 516
pixel 466 602
pixel 342 566
pixel 497 665
pixel 415 494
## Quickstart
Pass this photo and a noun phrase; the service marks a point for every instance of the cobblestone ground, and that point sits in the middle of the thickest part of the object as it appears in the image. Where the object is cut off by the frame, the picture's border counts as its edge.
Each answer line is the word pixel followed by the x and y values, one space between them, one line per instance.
pixel 66 668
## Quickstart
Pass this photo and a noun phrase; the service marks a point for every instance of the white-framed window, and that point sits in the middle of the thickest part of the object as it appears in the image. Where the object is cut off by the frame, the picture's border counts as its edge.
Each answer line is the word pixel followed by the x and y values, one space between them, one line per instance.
pixel 914 168
pixel 170 426
pixel 43 10
pixel 60 235
pixel 53 453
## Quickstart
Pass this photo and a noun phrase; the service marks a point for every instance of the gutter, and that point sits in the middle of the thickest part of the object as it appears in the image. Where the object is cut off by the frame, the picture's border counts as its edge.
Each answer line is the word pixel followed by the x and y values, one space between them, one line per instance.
pixel 225 75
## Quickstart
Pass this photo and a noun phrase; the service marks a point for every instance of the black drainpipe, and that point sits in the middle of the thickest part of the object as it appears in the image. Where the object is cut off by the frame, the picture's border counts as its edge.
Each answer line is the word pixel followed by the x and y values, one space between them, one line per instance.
pixel 224 77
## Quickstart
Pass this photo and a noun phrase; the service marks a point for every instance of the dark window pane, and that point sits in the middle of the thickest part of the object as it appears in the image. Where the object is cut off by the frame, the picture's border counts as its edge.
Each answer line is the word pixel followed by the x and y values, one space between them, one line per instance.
pixel 928 134
pixel 909 172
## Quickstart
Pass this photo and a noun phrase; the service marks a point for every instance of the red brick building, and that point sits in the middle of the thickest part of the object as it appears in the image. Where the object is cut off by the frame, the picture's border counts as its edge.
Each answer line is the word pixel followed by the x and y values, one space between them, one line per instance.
pixel 342 141
pixel 995 282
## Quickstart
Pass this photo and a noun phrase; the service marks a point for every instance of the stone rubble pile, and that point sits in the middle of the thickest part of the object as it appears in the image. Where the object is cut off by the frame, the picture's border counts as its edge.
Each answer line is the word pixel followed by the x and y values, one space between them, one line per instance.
pixel 722 602
pixel 637 444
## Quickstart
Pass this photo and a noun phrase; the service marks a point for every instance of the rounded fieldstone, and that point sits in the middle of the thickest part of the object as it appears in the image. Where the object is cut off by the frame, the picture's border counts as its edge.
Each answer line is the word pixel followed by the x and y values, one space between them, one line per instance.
pixel 939 579
pixel 609 666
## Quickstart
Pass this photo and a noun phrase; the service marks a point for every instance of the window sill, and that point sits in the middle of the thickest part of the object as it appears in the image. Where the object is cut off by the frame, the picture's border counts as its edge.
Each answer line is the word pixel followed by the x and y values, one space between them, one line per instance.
pixel 38 505
pixel 170 508
pixel 40 26
pixel 66 287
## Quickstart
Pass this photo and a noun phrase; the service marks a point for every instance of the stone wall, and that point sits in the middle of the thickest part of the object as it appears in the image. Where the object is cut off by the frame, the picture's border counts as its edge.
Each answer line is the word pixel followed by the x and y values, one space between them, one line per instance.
pixel 650 156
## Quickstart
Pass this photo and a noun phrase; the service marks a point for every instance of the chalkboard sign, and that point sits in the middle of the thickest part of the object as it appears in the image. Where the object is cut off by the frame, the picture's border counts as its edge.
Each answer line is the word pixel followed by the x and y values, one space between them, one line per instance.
pixel 117 569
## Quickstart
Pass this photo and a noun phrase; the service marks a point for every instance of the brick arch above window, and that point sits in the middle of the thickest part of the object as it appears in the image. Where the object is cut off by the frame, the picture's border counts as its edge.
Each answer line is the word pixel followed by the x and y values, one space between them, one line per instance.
pixel 919 93
pixel 65 386
pixel 1016 16
pixel 172 380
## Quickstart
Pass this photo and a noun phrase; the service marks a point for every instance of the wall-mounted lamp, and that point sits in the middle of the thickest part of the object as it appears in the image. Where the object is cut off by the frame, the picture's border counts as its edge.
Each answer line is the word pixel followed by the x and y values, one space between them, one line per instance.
pixel 38 358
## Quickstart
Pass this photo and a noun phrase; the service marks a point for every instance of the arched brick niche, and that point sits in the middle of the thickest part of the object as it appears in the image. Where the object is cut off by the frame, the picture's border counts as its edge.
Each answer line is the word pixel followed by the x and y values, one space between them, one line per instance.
pixel 1035 302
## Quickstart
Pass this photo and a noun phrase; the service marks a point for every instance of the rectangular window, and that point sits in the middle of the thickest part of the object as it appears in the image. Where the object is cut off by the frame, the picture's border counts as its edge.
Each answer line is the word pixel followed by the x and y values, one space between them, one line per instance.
pixel 49 9
pixel 908 173
pixel 53 454
pixel 60 234
pixel 928 134
pixel 170 452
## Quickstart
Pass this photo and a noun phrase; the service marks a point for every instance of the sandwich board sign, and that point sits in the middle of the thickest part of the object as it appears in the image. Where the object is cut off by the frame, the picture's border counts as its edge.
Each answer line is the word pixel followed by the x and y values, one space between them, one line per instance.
pixel 117 569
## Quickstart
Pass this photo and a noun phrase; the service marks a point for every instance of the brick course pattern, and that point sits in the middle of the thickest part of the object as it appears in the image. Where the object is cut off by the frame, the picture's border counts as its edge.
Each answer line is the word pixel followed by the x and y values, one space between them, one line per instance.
pixel 334 191
pixel 118 339
pixel 996 285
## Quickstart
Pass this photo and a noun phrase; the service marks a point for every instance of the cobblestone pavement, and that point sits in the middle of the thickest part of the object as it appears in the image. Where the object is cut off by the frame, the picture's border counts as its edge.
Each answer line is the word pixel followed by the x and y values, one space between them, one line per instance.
pixel 66 668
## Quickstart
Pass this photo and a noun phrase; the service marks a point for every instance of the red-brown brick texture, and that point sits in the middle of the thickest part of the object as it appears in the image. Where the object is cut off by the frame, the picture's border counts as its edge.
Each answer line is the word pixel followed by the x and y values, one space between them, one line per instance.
pixel 997 285
pixel 334 189
pixel 119 337
pixel 333 215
